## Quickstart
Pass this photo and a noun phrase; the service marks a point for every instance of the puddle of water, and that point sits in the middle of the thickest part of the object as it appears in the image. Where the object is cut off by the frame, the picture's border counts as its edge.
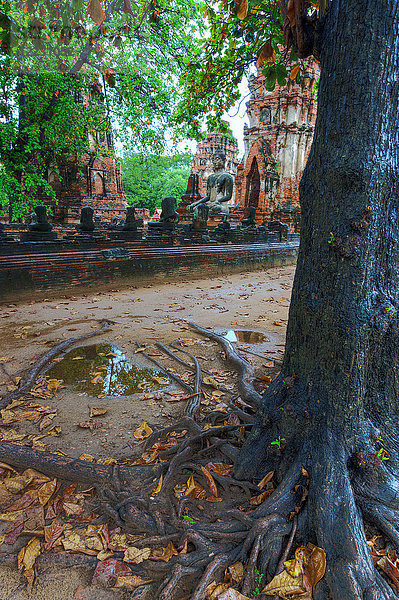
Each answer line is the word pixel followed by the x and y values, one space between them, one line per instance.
pixel 246 336
pixel 104 369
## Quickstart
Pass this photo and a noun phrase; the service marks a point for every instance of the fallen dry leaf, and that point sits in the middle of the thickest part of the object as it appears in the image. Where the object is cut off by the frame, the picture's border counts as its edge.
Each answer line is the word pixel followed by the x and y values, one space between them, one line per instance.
pixel 158 487
pixel 96 412
pixel 46 491
pixel 143 431
pixel 131 582
pixel 283 584
pixel 53 384
pixel 107 571
pixel 256 500
pixel 27 557
pixel 214 590
pixel 234 573
pixel 265 480
pixel 165 554
pixel 211 482
pixel 136 555
pixel 52 533
pixel 232 594
pixel 219 468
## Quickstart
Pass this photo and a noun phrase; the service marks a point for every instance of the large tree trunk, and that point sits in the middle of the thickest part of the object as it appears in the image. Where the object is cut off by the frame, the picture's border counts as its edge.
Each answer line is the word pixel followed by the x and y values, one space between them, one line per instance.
pixel 337 395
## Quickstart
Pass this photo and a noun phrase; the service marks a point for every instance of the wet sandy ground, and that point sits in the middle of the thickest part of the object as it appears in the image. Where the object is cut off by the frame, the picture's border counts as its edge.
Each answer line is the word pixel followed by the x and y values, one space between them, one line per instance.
pixel 256 302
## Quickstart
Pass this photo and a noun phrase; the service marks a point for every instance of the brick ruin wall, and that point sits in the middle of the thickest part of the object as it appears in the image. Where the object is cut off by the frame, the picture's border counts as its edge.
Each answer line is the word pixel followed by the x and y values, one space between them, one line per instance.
pixel 91 181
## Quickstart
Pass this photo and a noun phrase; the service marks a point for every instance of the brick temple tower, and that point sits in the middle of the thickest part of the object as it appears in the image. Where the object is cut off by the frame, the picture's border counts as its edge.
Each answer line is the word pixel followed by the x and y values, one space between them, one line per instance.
pixel 277 144
pixel 94 179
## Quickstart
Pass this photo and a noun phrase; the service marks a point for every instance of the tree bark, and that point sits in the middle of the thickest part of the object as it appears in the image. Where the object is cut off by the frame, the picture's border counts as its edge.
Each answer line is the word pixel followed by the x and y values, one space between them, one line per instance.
pixel 335 403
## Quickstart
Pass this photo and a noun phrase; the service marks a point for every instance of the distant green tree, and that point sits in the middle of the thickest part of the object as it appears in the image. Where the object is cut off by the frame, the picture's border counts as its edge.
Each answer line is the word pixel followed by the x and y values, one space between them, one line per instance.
pixel 148 179
pixel 71 68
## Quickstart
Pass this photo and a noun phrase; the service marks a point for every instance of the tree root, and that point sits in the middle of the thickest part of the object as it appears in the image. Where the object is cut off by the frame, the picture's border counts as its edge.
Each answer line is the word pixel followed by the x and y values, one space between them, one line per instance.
pixel 166 371
pixel 241 365
pixel 40 364
pixel 211 537
pixel 193 405
pixel 213 571
pixel 74 469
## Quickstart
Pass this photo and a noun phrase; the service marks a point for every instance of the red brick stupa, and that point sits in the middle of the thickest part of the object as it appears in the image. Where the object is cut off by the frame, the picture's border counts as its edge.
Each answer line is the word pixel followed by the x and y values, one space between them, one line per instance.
pixel 94 180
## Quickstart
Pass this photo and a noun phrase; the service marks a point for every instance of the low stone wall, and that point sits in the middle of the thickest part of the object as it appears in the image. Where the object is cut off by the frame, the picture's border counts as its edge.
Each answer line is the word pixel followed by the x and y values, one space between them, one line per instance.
pixel 43 272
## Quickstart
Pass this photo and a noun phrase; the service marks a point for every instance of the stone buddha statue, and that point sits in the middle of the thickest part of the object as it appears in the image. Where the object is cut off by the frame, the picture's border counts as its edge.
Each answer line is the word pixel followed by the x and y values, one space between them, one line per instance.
pixel 39 220
pixel 219 188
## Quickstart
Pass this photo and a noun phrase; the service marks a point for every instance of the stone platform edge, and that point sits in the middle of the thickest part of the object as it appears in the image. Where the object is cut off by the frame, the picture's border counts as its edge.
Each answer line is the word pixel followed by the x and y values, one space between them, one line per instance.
pixel 36 275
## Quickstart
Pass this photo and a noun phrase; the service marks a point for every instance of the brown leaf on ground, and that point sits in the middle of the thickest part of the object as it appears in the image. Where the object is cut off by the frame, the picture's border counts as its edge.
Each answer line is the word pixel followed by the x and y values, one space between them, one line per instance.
pixel 301 573
pixel 158 487
pixel 389 569
pixel 219 468
pixel 283 585
pixel 107 571
pixel 71 508
pixel 214 590
pixel 142 431
pixel 90 424
pixel 52 533
pixel 46 491
pixel 131 582
pixel 262 483
pixel 122 541
pixel 211 482
pixel 256 500
pixel 316 565
pixel 232 594
pixel 97 412
pixel 165 554
pixel 7 468
pixel 194 489
pixel 234 573
pixel 136 555
pixel 54 384
pixel 27 557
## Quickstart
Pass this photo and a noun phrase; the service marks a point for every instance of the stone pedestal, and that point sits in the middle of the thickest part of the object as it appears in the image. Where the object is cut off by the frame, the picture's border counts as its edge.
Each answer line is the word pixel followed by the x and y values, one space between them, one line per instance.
pixel 38 236
pixel 197 236
pixel 192 195
pixel 126 235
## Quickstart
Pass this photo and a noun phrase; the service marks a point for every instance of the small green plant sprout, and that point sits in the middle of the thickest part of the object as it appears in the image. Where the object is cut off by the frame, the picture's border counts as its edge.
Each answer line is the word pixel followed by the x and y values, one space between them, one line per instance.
pixel 381 455
pixel 189 519
pixel 390 310
pixel 278 442
pixel 258 581
pixel 332 238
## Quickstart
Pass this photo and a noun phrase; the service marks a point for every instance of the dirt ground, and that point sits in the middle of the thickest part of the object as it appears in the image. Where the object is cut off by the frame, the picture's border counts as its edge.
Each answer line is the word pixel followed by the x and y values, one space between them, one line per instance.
pixel 252 302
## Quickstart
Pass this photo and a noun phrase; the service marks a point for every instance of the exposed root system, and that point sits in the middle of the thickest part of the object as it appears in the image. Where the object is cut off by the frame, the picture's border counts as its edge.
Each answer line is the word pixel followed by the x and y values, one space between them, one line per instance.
pixel 190 507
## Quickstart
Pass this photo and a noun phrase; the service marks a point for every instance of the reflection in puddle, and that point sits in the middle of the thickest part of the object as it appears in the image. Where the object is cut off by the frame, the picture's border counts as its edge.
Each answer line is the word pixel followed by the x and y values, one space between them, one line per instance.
pixel 247 336
pixel 104 369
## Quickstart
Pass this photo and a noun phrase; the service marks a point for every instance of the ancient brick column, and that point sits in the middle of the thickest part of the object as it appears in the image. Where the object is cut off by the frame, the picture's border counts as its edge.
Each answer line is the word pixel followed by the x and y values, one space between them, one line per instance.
pixel 277 144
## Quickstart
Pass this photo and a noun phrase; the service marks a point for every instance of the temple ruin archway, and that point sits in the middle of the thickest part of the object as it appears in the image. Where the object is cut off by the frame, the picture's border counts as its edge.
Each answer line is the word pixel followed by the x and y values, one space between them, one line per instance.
pixel 253 185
